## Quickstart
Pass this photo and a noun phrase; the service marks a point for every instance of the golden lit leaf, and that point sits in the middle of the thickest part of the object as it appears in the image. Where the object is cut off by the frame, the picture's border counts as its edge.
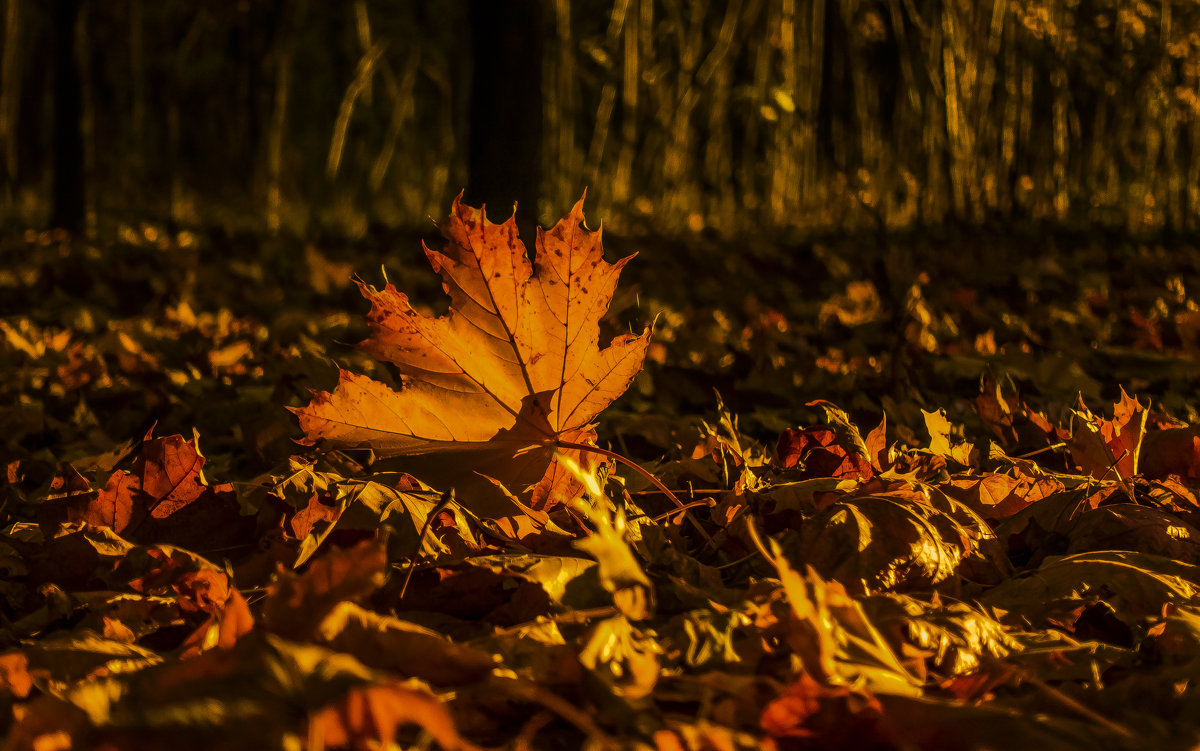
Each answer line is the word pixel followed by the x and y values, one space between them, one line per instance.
pixel 511 370
pixel 373 714
pixel 1101 446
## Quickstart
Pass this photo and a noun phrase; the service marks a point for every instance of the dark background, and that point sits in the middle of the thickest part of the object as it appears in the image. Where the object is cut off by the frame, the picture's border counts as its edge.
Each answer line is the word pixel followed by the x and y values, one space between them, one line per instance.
pixel 785 117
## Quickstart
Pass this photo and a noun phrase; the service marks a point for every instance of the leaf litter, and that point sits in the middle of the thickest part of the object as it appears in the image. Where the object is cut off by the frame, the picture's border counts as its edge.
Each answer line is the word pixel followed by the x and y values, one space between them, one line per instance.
pixel 910 521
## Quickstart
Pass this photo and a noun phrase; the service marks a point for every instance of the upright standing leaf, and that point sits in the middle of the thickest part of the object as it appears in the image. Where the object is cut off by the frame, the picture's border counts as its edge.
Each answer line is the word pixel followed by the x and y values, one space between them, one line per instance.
pixel 511 370
pixel 1100 446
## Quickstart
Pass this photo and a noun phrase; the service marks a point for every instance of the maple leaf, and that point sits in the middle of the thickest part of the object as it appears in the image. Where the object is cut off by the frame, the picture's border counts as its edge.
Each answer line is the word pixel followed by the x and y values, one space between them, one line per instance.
pixel 818 450
pixel 165 498
pixel 229 616
pixel 998 496
pixel 1100 446
pixel 511 372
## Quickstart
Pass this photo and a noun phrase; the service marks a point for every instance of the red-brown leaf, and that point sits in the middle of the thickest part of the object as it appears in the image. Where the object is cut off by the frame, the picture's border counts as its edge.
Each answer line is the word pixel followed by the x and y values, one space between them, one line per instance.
pixel 170 472
pixel 296 605
pixel 817 448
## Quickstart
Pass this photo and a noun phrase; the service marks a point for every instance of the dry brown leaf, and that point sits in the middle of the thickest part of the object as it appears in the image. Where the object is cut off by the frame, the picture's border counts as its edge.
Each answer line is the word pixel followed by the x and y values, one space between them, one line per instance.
pixel 163 498
pixel 14 675
pixel 296 605
pixel 877 446
pixel 996 412
pixel 389 643
pixel 939 432
pixel 1175 451
pixel 818 450
pixel 998 496
pixel 229 613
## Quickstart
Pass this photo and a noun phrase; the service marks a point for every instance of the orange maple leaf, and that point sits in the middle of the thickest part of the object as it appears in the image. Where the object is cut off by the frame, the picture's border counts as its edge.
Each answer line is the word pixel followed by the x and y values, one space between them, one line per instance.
pixel 513 371
pixel 1100 446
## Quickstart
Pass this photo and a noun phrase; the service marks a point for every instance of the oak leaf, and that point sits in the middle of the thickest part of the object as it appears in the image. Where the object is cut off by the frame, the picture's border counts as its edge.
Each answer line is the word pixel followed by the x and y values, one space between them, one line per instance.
pixel 512 371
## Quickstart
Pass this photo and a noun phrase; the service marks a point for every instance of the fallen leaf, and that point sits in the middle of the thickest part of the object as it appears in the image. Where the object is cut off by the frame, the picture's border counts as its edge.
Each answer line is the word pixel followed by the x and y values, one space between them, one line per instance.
pixel 1175 451
pixel 958 639
pixel 114 506
pixel 296 605
pixel 786 715
pixel 370 715
pixel 899 539
pixel 809 710
pixel 1125 526
pixel 996 411
pixel 621 657
pixel 509 373
pixel 836 643
pixel 393 644
pixel 310 516
pixel 1100 446
pixel 1137 585
pixel 939 439
pixel 164 498
pixel 171 472
pixel 229 616
pixel 997 496
pixel 860 304
pixel 14 674
pixel 820 454
pixel 877 447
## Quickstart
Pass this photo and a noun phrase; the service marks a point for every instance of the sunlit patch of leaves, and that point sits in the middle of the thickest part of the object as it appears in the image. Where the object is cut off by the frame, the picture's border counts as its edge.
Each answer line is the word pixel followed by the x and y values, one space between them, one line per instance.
pixel 997 562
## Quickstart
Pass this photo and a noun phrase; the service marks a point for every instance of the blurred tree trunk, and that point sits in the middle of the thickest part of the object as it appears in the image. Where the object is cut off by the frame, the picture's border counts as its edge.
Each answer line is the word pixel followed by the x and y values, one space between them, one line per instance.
pixel 9 98
pixel 67 210
pixel 505 110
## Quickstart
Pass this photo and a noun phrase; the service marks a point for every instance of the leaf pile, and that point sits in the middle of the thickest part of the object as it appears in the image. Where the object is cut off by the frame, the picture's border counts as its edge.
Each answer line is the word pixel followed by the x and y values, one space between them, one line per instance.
pixel 452 564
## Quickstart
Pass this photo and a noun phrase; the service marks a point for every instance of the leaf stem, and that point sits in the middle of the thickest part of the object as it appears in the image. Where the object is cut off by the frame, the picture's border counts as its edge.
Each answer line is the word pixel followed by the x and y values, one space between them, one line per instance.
pixel 1051 447
pixel 1069 703
pixel 693 504
pixel 627 462
pixel 758 543
pixel 1120 479
pixel 532 692
pixel 446 499
pixel 641 471
pixel 573 616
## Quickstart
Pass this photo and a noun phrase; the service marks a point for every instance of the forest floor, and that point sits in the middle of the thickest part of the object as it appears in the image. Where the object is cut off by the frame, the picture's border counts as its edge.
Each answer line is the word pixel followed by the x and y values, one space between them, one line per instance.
pixel 1012 556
